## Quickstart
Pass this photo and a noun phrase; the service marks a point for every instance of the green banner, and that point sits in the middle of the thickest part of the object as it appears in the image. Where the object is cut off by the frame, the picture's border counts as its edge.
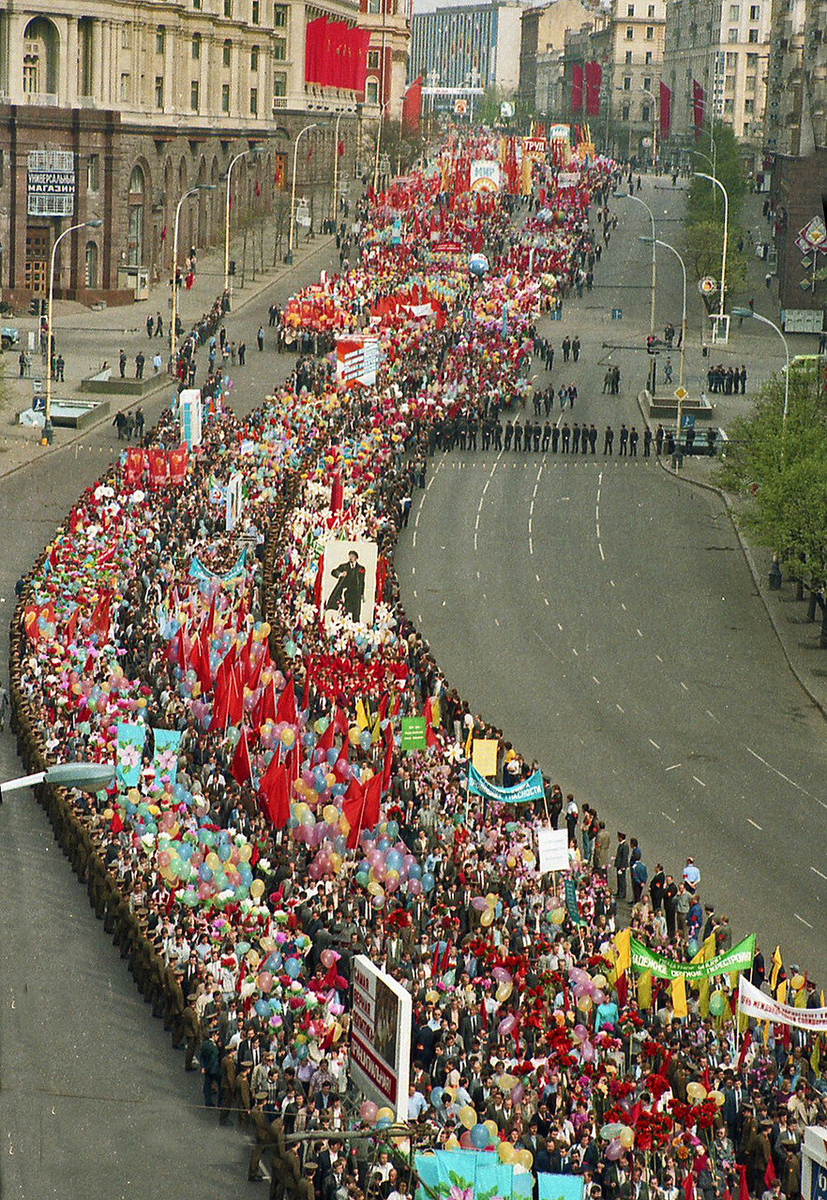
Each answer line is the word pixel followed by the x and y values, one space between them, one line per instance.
pixel 413 735
pixel 739 958
pixel 571 903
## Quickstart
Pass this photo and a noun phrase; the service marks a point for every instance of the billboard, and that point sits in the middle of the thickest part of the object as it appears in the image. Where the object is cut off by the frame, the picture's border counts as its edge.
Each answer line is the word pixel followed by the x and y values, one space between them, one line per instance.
pixel 814 1163
pixel 485 175
pixel 349 578
pixel 189 409
pixel 380 1037
pixel 357 360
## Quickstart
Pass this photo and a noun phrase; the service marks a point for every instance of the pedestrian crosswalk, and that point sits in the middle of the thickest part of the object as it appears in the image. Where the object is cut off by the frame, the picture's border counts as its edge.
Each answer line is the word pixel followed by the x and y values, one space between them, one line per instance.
pixel 572 461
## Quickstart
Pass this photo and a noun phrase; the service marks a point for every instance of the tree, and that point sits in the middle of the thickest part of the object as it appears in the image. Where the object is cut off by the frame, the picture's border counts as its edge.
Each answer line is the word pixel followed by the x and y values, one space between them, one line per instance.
pixel 402 147
pixel 704 244
pixel 704 224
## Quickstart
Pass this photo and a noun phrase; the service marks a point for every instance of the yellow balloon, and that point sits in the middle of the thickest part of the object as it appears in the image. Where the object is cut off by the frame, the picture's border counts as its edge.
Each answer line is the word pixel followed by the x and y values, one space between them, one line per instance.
pixel 627 1138
pixel 797 982
pixel 385 1113
pixel 511 861
pixel 696 1092
pixel 504 990
pixel 335 862
pixel 330 813
pixel 213 861
pixel 718 1097
pixel 493 1128
pixel 491 899
pixel 451 1143
pixel 375 888
pixel 487 917
pixel 599 981
pixel 524 1158
pixel 246 852
pixel 558 916
pixel 353 736
pixel 468 1116
pixel 506 1082
pixel 257 888
pixel 506 1152
pixel 585 1004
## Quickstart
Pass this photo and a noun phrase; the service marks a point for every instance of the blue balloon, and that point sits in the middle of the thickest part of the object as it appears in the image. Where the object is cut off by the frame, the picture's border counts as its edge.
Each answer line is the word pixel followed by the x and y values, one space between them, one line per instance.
pixel 436 1096
pixel 393 860
pixel 365 740
pixel 204 873
pixel 224 852
pixel 414 871
pixel 292 967
pixel 332 755
pixel 393 829
pixel 262 1008
pixel 480 1137
pixel 382 1123
pixel 428 882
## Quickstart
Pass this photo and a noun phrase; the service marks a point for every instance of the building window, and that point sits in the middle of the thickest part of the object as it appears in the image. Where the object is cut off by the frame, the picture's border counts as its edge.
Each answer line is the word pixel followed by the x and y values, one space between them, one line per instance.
pixel 729 83
pixel 280 16
pixel 225 97
pixel 628 58
pixel 650 33
pixel 732 58
pixel 735 12
pixel 93 173
pixel 624 112
pixel 91 265
pixel 753 36
pixel 159 91
pixel 749 83
pixel 373 60
pixel 280 49
pixel 729 107
pixel 648 59
pixel 374 6
pixel 194 95
pixel 752 60
pixel 280 83
pixel 124 86
pixel 627 83
pixel 254 102
pixel 125 37
pixel 733 35
pixel 630 10
pixel 749 106
pixel 196 45
pixel 372 91
pixel 644 113
pixel 196 3
pixel 755 12
pixel 647 83
pixel 630 33
pixel 226 52
pixel 160 39
pixel 228 8
pixel 256 13
pixel 254 58
pixel 651 13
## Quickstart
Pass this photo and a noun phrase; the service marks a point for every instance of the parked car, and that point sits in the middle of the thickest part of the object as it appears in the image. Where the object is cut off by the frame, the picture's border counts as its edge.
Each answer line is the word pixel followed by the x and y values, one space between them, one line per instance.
pixel 9 337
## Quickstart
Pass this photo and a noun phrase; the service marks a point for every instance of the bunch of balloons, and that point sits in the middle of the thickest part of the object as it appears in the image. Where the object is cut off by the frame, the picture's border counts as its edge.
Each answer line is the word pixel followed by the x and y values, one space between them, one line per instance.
pixel 389 866
pixel 588 991
pixel 620 1138
pixel 486 906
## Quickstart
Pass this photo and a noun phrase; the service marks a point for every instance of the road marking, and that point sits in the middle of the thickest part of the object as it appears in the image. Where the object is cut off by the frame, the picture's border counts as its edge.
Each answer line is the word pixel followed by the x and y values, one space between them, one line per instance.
pixel 651 743
pixel 574 652
pixel 612 582
pixel 496 622
pixel 622 605
pixel 786 778
pixel 415 595
pixel 639 633
pixel 597 512
pixel 819 873
pixel 803 922
pixel 530 524
pixel 666 814
pixel 559 626
pixel 700 781
pixel 597 528
pixel 596 680
pixel 685 688
pixel 414 538
pixel 530 546
pixel 602 555
pixel 413 570
pixel 546 599
pixel 755 825
pixel 714 718
pixel 658 657
pixel 674 767
pixel 619 709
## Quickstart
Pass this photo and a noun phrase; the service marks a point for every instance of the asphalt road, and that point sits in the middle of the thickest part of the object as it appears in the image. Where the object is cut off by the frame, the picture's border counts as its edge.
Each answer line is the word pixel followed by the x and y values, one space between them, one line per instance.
pixel 602 614
pixel 93 1100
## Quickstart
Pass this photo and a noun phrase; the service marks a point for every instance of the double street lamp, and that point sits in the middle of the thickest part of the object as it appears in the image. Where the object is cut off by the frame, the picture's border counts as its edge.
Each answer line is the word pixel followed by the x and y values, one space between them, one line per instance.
pixel 289 256
pixel 754 316
pixel 713 179
pixel 682 359
pixel 637 200
pixel 94 223
pixel 173 331
pixel 254 152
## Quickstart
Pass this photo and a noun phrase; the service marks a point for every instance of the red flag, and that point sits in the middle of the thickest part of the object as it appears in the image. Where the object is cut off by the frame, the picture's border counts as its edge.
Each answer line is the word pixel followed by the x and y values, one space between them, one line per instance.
pixel 353 806
pixel 164 234
pixel 274 793
pixel 240 767
pixel 665 111
pixel 698 102
pixel 689 1187
pixel 412 107
pixel 286 709
pixel 743 1187
pixel 258 188
pixel 594 79
pixel 387 765
pixel 769 1174
pixel 746 1042
pixel 373 792
pixel 265 710
pixel 235 700
pixel 577 87
pixel 325 742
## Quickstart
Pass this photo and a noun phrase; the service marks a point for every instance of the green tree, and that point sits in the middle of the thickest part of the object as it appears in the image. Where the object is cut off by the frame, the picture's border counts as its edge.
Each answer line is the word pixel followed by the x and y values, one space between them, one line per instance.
pixel 704 224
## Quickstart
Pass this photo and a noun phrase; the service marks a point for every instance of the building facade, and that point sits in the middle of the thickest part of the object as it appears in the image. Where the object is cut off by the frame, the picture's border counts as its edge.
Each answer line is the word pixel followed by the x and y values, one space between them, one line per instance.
pixel 543 37
pixel 389 22
pixel 468 45
pixel 725 48
pixel 112 111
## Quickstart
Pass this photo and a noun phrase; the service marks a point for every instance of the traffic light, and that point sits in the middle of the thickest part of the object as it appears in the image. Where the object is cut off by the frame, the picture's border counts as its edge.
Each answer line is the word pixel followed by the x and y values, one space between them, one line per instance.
pixel 34 306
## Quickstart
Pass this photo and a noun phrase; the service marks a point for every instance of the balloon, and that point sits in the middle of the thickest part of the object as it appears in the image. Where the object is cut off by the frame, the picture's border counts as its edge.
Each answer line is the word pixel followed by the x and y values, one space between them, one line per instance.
pixel 501 975
pixel 581 1033
pixel 584 1004
pixel 479 1137
pixel 716 1004
pixel 486 918
pixel 492 1127
pixel 506 1152
pixel 797 982
pixel 524 1158
pixel 627 1138
pixel 518 1093
pixel 587 1052
pixel 614 1150
pixel 695 1092
pixel 385 1114
pixel 467 1116
pixel 257 888
pixel 718 1097
pixel 436 1096
pixel 611 1131
pixel 368 1111
pixel 506 1025
pixel 504 990
pixel 265 981
pixel 478 903
pixel 465 1141
pixel 328 958
pixel 451 1143
pixel 599 981
pixel 292 968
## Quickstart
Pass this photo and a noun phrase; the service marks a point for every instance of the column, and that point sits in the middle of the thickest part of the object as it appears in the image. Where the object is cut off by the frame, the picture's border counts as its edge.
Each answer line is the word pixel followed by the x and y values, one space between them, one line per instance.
pixel 105 61
pixel 68 83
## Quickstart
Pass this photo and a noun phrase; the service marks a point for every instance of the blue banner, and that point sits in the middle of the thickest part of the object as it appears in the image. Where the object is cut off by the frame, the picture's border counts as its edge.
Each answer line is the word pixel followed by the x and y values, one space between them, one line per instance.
pixel 521 793
pixel 165 758
pixel 559 1187
pixel 477 1174
pixel 199 571
pixel 130 749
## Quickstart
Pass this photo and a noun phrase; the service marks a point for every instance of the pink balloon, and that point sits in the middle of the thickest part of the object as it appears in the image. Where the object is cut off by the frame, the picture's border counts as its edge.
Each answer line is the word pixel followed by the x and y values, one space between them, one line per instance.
pixel 517 1093
pixel 599 997
pixel 465 1141
pixel 501 975
pixel 581 1033
pixel 587 1051
pixel 614 1150
pixel 478 903
pixel 506 1025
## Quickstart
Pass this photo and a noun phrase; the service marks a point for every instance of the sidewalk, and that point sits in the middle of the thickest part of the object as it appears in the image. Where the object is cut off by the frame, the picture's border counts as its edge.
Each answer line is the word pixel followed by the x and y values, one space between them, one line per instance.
pixel 86 337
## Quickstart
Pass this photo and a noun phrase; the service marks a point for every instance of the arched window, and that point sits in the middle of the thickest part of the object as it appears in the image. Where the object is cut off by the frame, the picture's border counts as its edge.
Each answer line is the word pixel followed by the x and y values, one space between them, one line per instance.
pixel 136 182
pixel 371 90
pixel 135 234
pixel 40 58
pixel 91 264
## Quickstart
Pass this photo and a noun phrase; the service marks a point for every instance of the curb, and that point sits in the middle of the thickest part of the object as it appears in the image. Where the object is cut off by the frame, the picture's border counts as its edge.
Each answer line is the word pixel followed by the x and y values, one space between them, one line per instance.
pixel 750 561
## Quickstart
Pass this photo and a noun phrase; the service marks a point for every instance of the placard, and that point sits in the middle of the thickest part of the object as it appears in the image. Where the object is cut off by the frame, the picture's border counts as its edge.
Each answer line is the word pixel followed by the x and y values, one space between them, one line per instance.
pixel 413 734
pixel 484 755
pixel 380 1038
pixel 552 850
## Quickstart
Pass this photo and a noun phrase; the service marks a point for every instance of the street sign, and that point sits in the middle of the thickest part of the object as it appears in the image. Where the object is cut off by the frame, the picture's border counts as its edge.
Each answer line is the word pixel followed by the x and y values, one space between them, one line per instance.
pixel 38 403
pixel 814 232
pixel 617 314
pixel 687 420
pixel 37 387
pixel 708 286
pixel 681 393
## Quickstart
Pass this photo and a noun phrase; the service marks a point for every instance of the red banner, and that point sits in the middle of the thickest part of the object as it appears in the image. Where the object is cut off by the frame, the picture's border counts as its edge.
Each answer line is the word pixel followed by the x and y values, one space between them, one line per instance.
pixel 412 106
pixel 178 462
pixel 133 469
pixel 665 111
pixel 697 106
pixel 335 55
pixel 594 78
pixel 158 467
pixel 576 88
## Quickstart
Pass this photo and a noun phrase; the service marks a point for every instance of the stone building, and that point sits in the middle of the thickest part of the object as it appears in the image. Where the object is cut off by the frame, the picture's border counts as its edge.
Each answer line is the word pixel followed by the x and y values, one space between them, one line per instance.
pixel 113 111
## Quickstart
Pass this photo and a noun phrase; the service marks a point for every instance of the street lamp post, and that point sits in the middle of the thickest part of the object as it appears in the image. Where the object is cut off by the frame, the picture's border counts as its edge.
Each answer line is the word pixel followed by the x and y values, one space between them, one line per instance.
pixel 173 323
pixel 243 154
pixel 335 206
pixel 717 182
pixel 637 200
pixel 651 95
pixel 95 223
pixel 682 359
pixel 754 316
pixel 289 256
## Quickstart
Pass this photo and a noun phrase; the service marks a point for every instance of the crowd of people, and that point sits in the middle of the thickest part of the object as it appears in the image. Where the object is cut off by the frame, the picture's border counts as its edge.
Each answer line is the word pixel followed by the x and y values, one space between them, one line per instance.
pixel 287 832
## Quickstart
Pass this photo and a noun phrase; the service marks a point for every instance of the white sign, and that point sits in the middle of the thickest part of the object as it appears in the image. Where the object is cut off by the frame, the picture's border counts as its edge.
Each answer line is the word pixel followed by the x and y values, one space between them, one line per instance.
pixel 755 1003
pixel 552 850
pixel 189 411
pixel 358 358
pixel 559 133
pixel 50 183
pixel 233 502
pixel 380 1036
pixel 567 179
pixel 485 175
